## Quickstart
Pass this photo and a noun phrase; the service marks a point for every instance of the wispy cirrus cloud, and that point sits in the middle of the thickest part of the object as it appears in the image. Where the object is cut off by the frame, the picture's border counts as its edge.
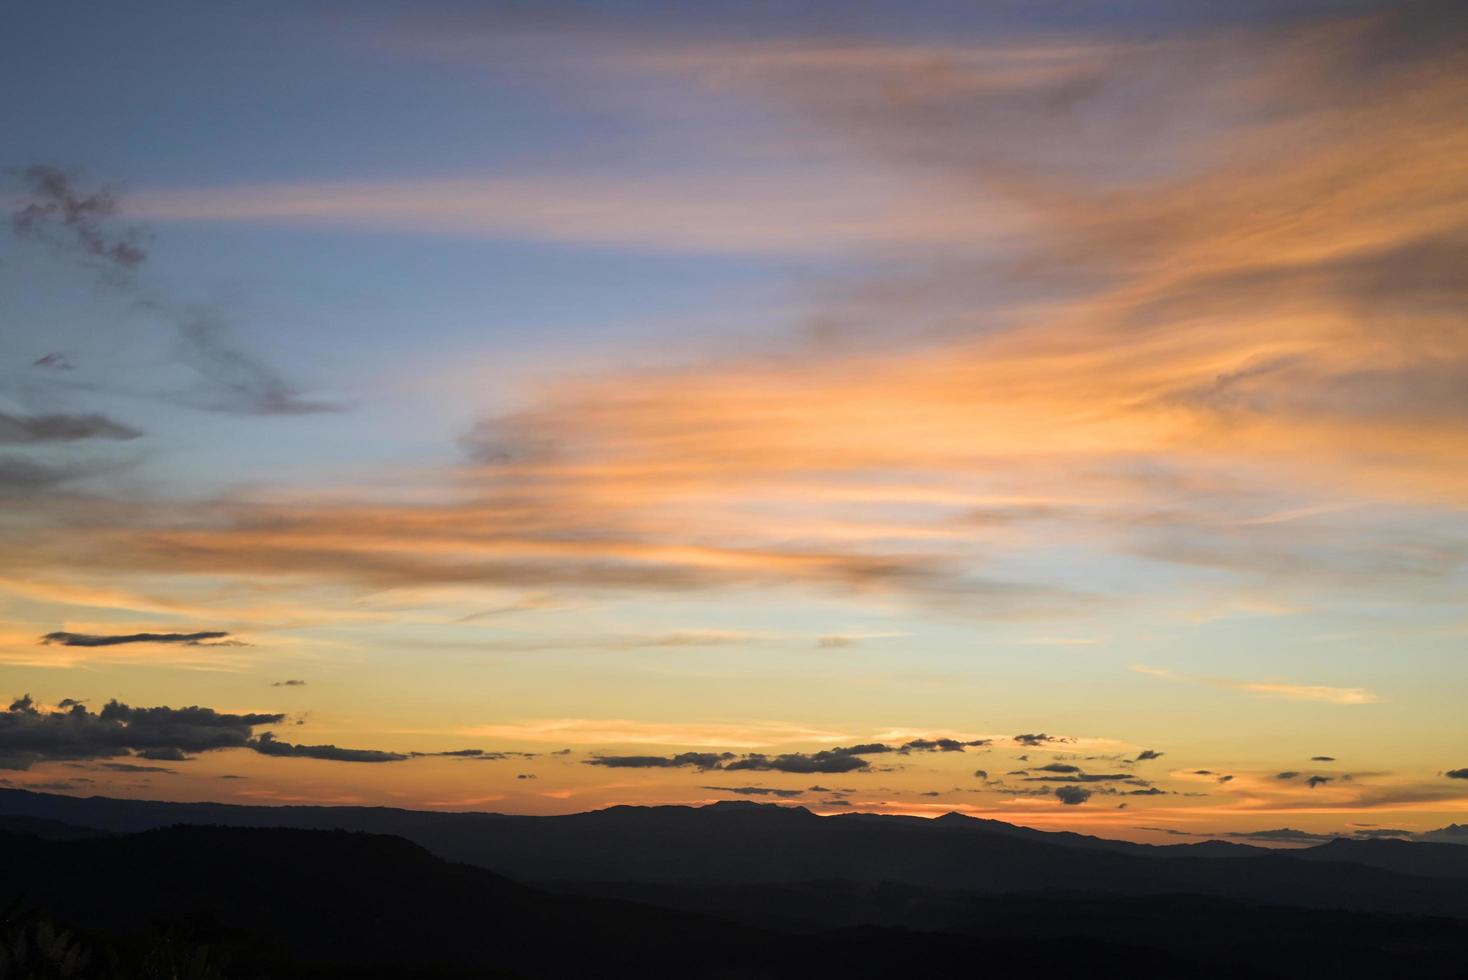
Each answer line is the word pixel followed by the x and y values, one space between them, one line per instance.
pixel 584 731
pixel 782 214
pixel 1270 689
pixel 1310 692
pixel 1167 354
pixel 749 735
pixel 53 208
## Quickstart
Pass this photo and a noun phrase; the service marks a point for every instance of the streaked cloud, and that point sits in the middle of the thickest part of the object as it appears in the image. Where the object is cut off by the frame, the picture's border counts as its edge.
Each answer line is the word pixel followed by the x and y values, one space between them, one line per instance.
pixel 202 638
pixel 23 429
pixel 782 214
pixel 1169 360
pixel 1270 689
pixel 1310 692
pixel 583 731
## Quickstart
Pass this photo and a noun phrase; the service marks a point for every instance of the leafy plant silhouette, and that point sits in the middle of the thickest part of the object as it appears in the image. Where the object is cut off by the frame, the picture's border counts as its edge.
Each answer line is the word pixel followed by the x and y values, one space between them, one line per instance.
pixel 33 947
pixel 39 950
pixel 172 958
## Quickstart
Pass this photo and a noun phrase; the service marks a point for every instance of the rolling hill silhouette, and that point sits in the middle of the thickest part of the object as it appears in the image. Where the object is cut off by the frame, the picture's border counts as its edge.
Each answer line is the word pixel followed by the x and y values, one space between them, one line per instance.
pixel 755 843
pixel 729 890
pixel 311 903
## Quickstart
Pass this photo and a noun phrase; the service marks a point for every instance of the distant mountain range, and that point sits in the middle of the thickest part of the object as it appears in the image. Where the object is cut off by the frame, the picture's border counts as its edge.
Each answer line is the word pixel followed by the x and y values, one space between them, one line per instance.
pixel 728 890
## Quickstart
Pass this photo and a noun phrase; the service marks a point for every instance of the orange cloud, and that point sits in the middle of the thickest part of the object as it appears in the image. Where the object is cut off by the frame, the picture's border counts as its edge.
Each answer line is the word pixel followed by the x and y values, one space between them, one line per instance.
pixel 1272 689
pixel 1245 304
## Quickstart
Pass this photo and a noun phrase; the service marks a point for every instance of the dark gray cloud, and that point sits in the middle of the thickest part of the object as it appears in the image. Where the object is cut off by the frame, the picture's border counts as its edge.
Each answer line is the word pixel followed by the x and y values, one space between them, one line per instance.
pixel 981 773
pixel 29 735
pixel 1072 795
pixel 482 755
pixel 826 761
pixel 291 683
pixel 1315 781
pixel 1035 741
pixel 1457 773
pixel 268 744
pixel 1286 775
pixel 864 748
pixel 835 760
pixel 696 760
pixel 1146 754
pixel 54 210
pixel 1322 758
pixel 61 427
pixel 942 744
pixel 758 791
pixel 116 639
pixel 1058 767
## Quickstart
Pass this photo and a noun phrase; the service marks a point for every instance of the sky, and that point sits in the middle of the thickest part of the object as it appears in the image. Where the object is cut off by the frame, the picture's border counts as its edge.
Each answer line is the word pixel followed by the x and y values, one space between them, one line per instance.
pixel 1051 411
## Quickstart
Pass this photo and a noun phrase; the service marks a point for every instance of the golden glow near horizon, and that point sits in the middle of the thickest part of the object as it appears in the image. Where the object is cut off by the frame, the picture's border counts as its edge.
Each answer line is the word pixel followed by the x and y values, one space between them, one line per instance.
pixel 1100 382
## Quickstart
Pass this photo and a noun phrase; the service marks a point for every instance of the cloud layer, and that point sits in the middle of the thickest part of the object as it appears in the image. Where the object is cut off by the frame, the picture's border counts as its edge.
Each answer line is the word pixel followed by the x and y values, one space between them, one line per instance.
pixel 30 734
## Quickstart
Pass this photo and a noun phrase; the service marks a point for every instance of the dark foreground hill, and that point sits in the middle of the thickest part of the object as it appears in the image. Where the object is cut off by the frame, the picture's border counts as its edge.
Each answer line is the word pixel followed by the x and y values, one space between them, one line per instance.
pixel 294 903
pixel 249 904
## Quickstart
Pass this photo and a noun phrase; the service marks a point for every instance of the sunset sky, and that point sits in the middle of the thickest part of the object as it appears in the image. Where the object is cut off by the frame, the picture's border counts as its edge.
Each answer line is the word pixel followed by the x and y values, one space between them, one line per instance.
pixel 1050 411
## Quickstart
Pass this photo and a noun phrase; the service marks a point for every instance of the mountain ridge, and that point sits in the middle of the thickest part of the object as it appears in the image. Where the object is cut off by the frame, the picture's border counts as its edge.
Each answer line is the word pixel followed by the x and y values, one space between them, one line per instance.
pixel 746 843
pixel 270 902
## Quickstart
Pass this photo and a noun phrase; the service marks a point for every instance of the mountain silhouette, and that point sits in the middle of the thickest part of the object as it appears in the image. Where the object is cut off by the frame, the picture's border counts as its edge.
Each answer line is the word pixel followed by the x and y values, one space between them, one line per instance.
pixel 313 903
pixel 728 890
pixel 757 843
